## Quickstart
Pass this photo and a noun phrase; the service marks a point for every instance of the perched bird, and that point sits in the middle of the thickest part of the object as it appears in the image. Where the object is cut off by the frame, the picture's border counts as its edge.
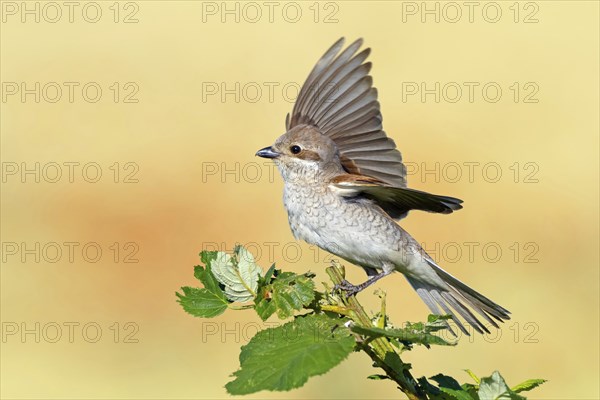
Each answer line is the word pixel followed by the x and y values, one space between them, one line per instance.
pixel 345 185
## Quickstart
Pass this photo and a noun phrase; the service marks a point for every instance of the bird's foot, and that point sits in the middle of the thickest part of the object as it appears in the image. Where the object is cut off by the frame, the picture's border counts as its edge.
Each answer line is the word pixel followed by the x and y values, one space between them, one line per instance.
pixel 352 290
pixel 348 288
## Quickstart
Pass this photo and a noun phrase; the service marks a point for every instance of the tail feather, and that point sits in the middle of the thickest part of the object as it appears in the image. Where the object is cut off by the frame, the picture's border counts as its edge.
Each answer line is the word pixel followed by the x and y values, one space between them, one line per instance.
pixel 487 305
pixel 455 298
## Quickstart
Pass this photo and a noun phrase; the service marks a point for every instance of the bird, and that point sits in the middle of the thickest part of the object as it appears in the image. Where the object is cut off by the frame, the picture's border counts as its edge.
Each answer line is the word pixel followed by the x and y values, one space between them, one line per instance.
pixel 345 188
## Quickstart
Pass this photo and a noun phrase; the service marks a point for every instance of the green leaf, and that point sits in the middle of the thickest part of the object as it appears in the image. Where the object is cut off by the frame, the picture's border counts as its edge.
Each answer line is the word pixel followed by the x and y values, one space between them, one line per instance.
pixel 415 336
pixel 459 394
pixel 202 302
pixel 393 360
pixel 239 274
pixel 209 301
pixel 494 388
pixel 451 387
pixel 471 389
pixel 207 256
pixel 288 292
pixel 267 278
pixel 527 385
pixel 283 358
pixel 263 305
pixel 436 322
pixel 378 377
pixel 430 389
pixel 208 280
pixel 446 381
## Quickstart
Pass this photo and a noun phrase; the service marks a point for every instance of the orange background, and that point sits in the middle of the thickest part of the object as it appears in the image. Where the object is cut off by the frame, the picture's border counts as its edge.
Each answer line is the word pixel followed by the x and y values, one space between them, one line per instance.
pixel 175 137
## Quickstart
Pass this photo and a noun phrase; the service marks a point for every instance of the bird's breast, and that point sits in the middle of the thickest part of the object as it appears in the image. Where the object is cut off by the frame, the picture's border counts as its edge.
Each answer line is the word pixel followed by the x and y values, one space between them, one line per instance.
pixel 357 231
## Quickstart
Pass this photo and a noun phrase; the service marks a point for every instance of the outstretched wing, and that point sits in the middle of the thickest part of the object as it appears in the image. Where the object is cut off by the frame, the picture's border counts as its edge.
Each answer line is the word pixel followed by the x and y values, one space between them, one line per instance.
pixel 339 99
pixel 397 202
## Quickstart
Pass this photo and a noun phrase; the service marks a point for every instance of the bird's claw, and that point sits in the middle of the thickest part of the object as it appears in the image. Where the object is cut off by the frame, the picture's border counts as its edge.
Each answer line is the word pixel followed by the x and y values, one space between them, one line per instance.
pixel 346 287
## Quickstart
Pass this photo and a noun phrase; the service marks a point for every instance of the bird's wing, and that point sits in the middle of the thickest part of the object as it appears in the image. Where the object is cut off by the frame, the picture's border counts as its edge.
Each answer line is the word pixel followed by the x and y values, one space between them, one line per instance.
pixel 339 99
pixel 397 202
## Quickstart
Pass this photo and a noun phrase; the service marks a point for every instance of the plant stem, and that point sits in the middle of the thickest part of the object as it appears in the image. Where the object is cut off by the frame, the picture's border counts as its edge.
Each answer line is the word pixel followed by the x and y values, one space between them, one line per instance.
pixel 379 350
pixel 335 309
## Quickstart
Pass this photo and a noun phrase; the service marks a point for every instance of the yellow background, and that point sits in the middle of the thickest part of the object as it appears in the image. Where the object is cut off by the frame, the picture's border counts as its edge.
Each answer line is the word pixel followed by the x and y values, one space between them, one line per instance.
pixel 174 210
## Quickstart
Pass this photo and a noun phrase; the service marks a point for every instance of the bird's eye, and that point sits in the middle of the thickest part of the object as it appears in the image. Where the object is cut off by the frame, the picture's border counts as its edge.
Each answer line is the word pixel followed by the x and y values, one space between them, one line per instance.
pixel 295 149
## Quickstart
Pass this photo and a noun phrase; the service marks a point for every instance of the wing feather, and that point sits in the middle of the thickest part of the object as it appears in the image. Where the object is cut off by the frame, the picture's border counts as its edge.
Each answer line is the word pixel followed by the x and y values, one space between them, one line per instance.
pixel 338 98
pixel 397 202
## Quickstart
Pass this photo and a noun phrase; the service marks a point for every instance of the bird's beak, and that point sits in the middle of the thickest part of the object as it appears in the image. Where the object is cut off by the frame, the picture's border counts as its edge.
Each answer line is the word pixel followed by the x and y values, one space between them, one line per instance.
pixel 267 152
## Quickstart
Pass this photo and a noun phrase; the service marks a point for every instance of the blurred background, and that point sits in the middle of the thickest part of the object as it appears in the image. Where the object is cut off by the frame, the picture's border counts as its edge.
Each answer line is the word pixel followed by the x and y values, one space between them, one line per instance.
pixel 128 138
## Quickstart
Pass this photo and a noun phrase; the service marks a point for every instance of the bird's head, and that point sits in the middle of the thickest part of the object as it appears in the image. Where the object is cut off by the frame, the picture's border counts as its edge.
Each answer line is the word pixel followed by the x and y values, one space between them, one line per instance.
pixel 303 150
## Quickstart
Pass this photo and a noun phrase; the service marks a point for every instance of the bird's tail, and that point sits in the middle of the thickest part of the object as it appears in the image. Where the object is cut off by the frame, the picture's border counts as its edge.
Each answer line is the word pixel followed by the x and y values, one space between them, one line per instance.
pixel 455 298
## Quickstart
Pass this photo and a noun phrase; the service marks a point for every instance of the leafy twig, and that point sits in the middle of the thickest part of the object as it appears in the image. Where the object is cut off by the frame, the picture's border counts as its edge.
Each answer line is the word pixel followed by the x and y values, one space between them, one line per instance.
pixel 382 353
pixel 323 329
